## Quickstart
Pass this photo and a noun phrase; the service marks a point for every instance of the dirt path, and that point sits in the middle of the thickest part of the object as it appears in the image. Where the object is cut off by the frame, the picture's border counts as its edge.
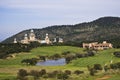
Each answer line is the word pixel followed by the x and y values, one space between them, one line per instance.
pixel 104 77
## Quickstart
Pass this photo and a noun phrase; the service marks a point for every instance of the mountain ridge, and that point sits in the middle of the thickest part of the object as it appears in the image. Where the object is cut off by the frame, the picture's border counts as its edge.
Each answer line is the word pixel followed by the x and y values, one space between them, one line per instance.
pixel 104 28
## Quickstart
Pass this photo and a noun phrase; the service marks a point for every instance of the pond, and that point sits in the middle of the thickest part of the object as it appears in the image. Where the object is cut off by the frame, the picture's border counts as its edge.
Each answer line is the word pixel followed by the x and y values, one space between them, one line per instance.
pixel 52 62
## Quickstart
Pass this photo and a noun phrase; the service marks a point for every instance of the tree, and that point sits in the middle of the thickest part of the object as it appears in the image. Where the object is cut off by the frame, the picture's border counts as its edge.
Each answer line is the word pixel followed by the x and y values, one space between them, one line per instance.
pixel 68 72
pixel 117 54
pixel 106 68
pixel 32 61
pixel 56 56
pixel 90 53
pixel 66 53
pixel 115 65
pixel 21 74
pixel 97 67
pixel 69 58
pixel 78 55
pixel 77 72
pixel 92 71
pixel 35 74
pixel 42 72
pixel 62 76
pixel 42 58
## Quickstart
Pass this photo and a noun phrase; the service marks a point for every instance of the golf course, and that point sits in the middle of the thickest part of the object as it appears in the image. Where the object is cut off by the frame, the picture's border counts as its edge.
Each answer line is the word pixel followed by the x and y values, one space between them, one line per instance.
pixel 10 66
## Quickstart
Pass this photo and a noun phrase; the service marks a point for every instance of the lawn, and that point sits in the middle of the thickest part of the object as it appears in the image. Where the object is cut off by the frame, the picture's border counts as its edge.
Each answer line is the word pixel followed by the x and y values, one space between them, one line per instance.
pixel 101 57
pixel 10 67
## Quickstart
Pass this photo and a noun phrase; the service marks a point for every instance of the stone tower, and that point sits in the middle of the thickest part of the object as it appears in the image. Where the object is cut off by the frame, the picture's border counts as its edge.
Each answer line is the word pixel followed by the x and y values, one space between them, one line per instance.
pixel 26 37
pixel 47 39
pixel 32 35
pixel 15 41
pixel 55 40
pixel 26 40
pixel 60 40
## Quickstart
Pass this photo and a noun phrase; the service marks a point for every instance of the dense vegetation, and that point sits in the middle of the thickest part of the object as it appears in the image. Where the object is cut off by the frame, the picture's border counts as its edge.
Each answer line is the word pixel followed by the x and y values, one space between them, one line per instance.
pixel 117 54
pixel 105 28
pixel 7 49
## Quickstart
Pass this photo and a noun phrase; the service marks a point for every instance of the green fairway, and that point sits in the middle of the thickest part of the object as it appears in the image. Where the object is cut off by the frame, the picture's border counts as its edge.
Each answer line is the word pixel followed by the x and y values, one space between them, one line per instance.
pixel 10 67
pixel 102 57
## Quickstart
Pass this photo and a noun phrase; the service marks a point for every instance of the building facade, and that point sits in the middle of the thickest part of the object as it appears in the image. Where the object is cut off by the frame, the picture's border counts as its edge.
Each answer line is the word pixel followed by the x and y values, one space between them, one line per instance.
pixel 98 46
pixel 32 38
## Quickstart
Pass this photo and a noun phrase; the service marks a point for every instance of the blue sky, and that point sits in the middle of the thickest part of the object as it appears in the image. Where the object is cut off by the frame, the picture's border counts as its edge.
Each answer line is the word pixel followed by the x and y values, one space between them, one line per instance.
pixel 18 15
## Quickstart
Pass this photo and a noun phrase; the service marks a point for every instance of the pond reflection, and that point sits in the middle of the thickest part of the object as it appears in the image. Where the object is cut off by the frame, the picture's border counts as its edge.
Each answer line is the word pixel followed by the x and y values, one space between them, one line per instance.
pixel 52 62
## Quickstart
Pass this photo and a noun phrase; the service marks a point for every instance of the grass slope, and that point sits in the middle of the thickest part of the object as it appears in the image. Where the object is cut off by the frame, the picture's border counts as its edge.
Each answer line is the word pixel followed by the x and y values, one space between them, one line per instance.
pixel 10 67
pixel 102 57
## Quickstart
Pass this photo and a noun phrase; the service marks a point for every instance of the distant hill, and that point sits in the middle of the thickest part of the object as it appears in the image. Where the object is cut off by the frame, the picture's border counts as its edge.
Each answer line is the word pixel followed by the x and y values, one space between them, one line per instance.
pixel 104 28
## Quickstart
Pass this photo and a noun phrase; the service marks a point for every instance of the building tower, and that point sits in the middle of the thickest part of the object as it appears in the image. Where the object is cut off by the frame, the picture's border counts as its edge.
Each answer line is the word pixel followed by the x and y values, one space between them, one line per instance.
pixel 26 37
pixel 55 40
pixel 15 41
pixel 60 40
pixel 32 35
pixel 25 41
pixel 47 40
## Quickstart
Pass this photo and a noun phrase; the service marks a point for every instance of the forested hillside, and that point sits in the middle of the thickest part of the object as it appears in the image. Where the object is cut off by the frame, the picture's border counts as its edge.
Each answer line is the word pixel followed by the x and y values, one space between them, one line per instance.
pixel 105 28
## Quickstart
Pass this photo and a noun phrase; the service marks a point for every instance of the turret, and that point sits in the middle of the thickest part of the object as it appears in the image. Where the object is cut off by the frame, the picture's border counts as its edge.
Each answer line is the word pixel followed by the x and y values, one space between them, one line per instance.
pixel 55 40
pixel 60 40
pixel 32 36
pixel 47 39
pixel 15 41
pixel 25 37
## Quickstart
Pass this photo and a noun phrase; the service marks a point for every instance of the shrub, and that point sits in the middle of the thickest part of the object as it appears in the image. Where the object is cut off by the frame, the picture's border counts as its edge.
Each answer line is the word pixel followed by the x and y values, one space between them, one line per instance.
pixel 90 53
pixel 118 65
pixel 42 72
pixel 55 72
pixel 35 74
pixel 92 71
pixel 106 68
pixel 51 75
pixel 32 61
pixel 97 67
pixel 62 76
pixel 115 65
pixel 56 56
pixel 69 58
pixel 66 53
pixel 21 74
pixel 42 58
pixel 77 72
pixel 68 72
pixel 79 55
pixel 117 54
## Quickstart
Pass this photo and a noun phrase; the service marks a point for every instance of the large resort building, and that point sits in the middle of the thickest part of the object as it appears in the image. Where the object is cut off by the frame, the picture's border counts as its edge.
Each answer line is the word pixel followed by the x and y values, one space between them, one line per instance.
pixel 98 46
pixel 32 38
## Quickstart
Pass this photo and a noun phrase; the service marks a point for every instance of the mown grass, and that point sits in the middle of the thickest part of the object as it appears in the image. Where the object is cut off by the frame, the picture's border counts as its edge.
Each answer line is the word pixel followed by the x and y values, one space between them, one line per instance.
pixel 39 51
pixel 10 67
pixel 114 77
pixel 101 57
pixel 6 76
pixel 56 50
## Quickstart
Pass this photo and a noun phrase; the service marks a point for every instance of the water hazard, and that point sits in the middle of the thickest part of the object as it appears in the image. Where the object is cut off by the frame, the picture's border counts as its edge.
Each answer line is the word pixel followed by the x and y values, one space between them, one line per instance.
pixel 52 62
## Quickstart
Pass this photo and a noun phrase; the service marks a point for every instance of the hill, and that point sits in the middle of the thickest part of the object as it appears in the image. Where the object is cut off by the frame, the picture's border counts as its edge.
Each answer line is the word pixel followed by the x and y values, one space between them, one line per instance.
pixel 104 28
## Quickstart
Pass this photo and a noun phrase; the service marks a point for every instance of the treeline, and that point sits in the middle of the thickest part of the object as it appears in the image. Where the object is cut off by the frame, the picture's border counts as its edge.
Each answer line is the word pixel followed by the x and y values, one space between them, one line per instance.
pixel 6 49
pixel 96 69
pixel 110 68
pixel 10 48
pixel 44 74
